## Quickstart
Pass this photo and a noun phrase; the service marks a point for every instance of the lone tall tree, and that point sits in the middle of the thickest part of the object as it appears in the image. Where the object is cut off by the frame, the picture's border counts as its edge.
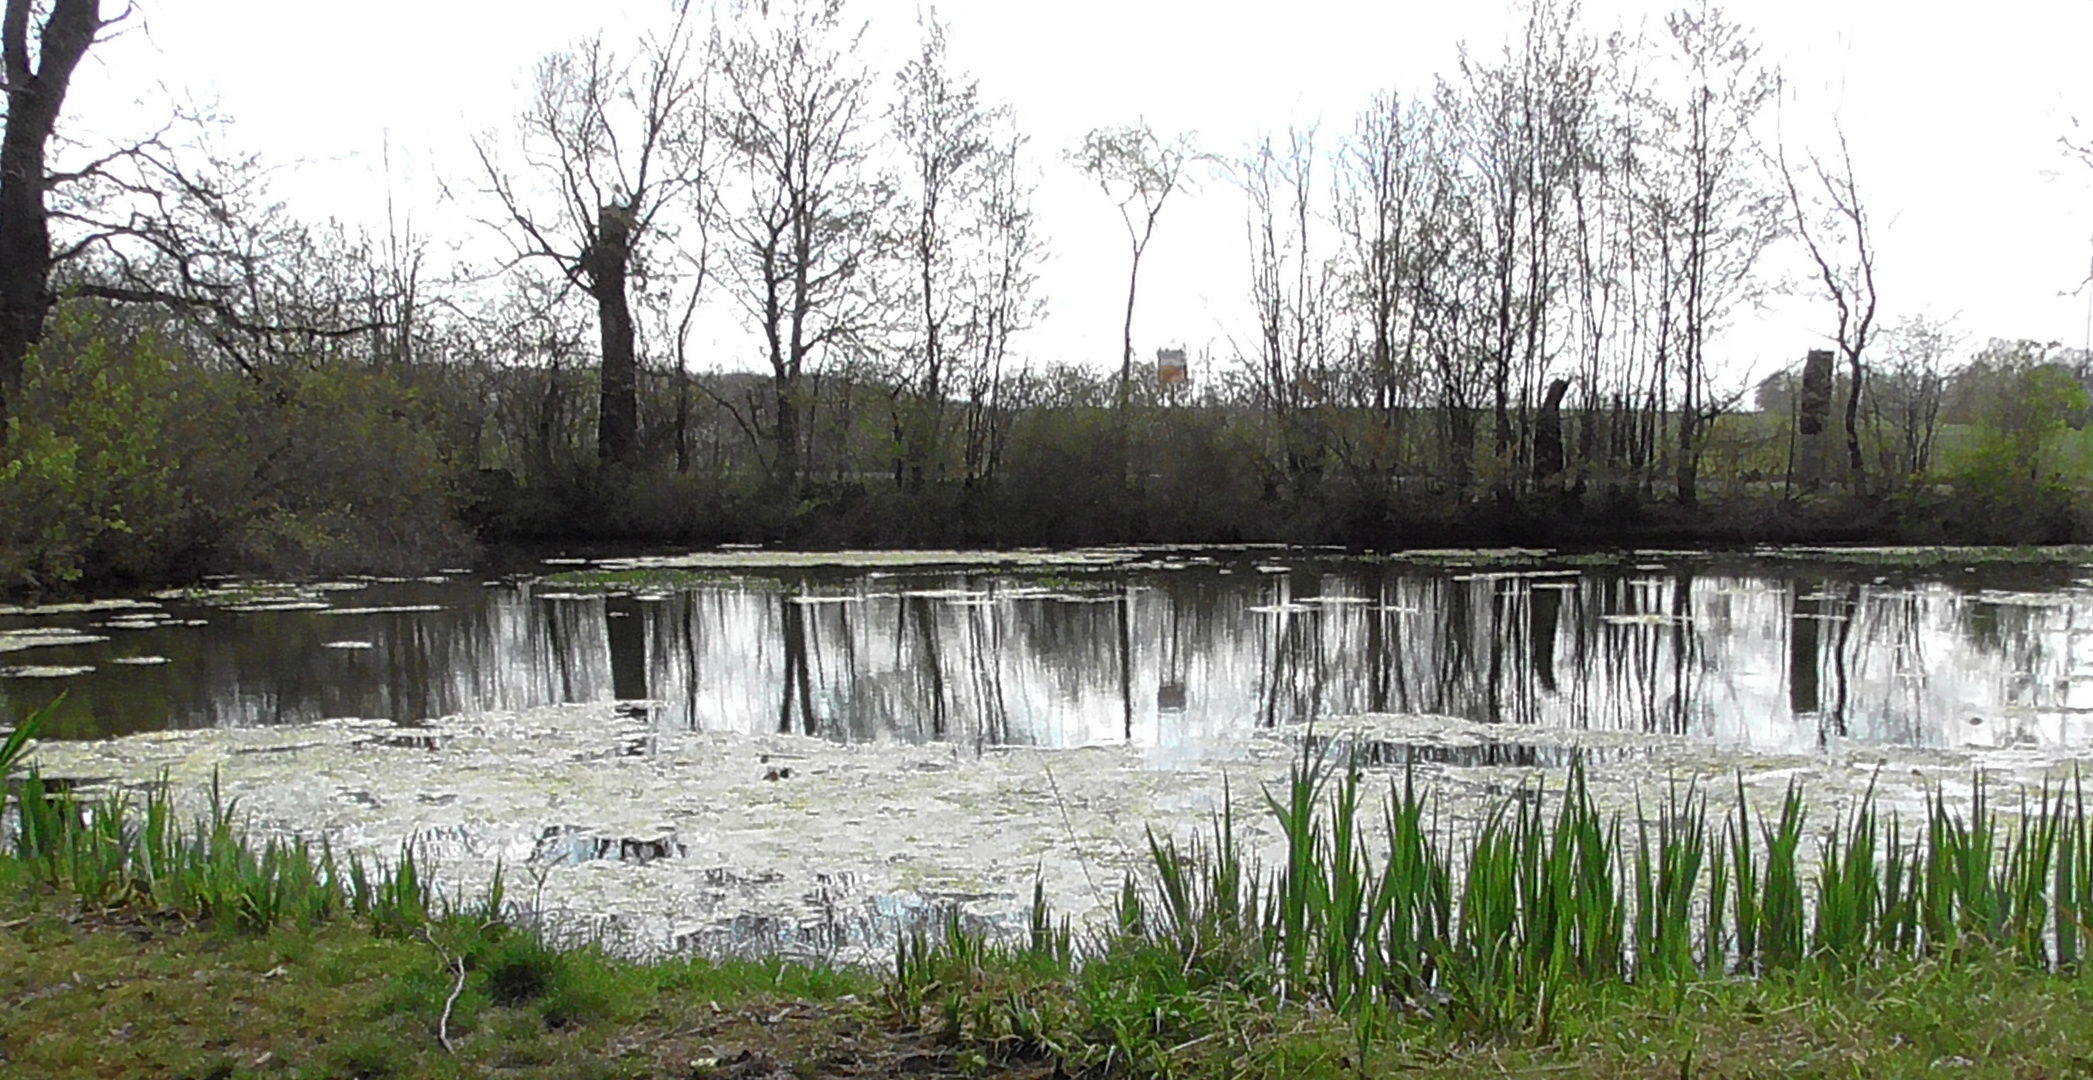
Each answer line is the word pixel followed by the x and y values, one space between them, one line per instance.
pixel 615 148
pixel 34 96
pixel 1138 171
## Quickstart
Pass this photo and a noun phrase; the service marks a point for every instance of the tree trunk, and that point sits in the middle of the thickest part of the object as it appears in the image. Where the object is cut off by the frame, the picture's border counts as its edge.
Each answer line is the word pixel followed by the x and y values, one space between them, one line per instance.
pixel 617 416
pixel 1126 355
pixel 784 467
pixel 1856 466
pixel 33 101
pixel 682 420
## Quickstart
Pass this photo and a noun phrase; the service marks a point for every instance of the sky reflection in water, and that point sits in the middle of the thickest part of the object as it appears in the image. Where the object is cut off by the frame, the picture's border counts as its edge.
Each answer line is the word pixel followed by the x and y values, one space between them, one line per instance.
pixel 1766 655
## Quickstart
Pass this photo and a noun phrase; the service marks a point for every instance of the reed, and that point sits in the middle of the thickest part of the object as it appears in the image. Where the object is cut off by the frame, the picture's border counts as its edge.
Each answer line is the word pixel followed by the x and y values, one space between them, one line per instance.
pixel 121 849
pixel 16 745
pixel 1489 927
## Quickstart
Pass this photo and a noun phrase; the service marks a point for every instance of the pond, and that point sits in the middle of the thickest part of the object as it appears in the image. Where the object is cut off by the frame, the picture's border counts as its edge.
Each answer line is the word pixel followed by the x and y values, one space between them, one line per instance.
pixel 1148 647
pixel 746 751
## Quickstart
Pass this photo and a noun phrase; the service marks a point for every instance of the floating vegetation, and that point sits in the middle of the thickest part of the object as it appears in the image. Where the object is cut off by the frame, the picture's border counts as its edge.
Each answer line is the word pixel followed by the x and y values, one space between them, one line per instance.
pixel 242 593
pixel 155 621
pixel 48 671
pixel 45 638
pixel 2023 599
pixel 648 579
pixel 956 595
pixel 731 558
pixel 1475 556
pixel 140 661
pixel 392 609
pixel 1930 557
pixel 346 645
pixel 1641 618
pixel 82 607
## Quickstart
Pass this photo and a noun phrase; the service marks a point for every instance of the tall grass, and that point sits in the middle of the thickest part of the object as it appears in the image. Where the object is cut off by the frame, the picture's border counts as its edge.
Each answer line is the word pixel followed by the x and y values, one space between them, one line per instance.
pixel 1371 912
pixel 1485 925
pixel 16 745
pixel 118 850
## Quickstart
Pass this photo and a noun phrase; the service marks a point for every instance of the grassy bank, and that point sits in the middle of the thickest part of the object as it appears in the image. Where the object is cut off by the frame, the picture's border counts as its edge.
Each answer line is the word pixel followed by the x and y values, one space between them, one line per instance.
pixel 1697 936
pixel 92 994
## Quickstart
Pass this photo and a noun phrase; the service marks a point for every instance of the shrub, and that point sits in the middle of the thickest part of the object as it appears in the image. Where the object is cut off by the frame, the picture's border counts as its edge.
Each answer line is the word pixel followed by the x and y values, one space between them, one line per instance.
pixel 84 478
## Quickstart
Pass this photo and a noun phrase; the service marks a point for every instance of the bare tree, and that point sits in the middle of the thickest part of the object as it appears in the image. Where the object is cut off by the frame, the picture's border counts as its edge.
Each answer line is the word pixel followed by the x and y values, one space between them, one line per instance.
pixel 1294 291
pixel 799 212
pixel 950 139
pixel 1833 224
pixel 1722 213
pixel 1524 124
pixel 1139 171
pixel 1909 389
pixel 1001 279
pixel 1383 203
pixel 173 223
pixel 611 150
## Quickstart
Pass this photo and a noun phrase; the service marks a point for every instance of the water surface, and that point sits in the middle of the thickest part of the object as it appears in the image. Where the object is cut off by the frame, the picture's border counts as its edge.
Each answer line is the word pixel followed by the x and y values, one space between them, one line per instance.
pixel 1158 649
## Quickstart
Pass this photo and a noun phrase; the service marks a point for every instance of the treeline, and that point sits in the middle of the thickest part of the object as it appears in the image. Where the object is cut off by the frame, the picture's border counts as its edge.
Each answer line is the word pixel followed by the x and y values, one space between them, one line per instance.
pixel 1486 308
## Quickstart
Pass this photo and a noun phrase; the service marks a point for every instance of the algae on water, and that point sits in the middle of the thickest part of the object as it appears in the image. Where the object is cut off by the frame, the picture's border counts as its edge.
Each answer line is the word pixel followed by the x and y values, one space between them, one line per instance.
pixel 668 840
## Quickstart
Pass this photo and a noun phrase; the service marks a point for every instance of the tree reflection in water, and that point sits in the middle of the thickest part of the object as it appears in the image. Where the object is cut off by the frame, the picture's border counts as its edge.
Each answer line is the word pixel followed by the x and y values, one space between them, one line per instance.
pixel 1771 657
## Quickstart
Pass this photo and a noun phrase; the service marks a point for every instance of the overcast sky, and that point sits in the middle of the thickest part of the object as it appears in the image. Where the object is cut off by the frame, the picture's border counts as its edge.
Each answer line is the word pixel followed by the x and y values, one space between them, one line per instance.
pixel 1954 122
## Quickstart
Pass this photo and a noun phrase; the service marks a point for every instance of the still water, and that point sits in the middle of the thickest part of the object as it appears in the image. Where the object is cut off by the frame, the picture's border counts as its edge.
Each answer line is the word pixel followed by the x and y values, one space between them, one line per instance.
pixel 1155 648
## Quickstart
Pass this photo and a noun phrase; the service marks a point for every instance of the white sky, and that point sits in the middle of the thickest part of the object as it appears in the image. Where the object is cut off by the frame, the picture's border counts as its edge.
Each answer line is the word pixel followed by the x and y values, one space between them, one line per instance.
pixel 1954 121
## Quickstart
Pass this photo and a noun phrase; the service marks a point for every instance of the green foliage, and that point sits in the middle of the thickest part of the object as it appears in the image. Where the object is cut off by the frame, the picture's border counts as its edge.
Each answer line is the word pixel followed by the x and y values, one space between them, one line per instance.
pixel 84 472
pixel 127 461
pixel 2013 462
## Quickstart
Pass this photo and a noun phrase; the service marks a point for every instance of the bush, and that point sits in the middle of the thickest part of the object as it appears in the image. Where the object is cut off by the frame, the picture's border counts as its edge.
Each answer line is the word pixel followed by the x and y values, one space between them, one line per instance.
pixel 124 462
pixel 85 480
